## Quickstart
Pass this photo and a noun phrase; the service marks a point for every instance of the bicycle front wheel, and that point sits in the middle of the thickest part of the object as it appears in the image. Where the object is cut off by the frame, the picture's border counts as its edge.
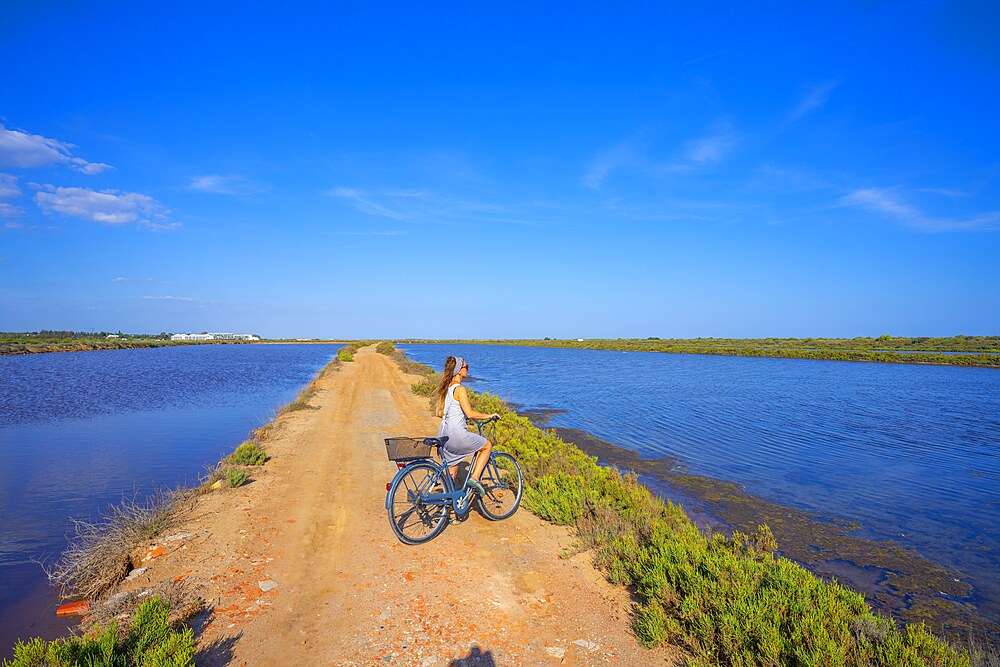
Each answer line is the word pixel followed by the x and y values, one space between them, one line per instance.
pixel 413 520
pixel 503 484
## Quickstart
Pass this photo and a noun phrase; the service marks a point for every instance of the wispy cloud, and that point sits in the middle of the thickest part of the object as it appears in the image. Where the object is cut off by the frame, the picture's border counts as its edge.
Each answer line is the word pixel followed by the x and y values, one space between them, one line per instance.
pixel 813 99
pixel 107 207
pixel 9 190
pixel 626 154
pixel 390 233
pixel 366 203
pixel 149 281
pixel 634 155
pixel 712 148
pixel 22 150
pixel 167 298
pixel 230 184
pixel 8 187
pixel 891 203
pixel 428 206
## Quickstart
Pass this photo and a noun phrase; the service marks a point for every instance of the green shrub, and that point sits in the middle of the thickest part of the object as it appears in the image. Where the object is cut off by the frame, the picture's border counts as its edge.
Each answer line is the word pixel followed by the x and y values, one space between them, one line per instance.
pixel 249 454
pixel 727 601
pixel 345 354
pixel 150 641
pixel 235 477
pixel 386 348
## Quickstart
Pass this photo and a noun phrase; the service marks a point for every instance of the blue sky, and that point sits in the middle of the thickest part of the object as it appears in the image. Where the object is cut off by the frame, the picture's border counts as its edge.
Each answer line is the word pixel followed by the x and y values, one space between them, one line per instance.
pixel 501 170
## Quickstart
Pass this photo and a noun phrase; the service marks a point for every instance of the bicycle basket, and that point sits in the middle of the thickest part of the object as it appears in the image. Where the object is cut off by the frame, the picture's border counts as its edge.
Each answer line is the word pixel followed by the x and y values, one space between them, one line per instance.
pixel 407 449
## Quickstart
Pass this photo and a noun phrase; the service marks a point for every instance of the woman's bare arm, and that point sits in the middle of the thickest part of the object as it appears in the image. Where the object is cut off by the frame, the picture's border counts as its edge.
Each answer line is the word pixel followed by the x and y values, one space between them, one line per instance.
pixel 463 399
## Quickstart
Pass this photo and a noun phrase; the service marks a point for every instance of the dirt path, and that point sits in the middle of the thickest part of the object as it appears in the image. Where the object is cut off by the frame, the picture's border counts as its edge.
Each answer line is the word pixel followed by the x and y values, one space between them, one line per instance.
pixel 348 593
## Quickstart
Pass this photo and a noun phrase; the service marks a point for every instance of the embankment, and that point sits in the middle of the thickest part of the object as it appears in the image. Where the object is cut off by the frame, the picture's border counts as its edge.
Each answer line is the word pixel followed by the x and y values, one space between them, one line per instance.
pixel 299 566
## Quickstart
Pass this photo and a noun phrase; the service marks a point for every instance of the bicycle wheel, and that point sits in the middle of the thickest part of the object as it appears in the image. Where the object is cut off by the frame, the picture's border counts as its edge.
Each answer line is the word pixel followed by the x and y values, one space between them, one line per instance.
pixel 503 484
pixel 412 520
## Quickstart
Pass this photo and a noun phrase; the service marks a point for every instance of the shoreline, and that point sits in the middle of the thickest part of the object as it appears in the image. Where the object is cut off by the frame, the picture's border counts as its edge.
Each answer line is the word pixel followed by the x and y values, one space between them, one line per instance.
pixel 895 580
pixel 960 358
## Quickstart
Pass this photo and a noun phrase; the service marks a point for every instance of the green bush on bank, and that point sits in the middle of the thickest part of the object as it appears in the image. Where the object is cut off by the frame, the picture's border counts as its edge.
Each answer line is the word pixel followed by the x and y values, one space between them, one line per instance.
pixel 249 453
pixel 727 601
pixel 149 641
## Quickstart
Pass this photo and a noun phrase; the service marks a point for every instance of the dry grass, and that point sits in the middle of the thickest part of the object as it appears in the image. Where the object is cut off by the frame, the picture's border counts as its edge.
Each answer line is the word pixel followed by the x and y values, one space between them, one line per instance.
pixel 99 553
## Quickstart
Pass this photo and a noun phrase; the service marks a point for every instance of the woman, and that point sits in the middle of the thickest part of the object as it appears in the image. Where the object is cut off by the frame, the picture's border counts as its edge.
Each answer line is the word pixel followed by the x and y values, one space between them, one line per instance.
pixel 454 408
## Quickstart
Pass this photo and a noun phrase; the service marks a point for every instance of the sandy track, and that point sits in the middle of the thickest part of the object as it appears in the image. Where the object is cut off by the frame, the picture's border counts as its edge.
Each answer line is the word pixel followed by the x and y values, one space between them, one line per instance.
pixel 348 593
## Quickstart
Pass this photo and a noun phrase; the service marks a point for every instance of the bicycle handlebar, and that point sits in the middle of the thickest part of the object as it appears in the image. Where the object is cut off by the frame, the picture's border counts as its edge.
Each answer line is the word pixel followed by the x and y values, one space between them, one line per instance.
pixel 481 422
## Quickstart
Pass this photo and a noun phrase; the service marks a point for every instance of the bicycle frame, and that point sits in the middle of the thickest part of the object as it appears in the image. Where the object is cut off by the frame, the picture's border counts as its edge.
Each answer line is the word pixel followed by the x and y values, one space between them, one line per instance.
pixel 458 498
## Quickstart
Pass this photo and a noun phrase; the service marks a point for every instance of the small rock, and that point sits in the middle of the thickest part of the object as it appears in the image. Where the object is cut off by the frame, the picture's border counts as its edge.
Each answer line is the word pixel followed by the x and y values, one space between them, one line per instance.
pixel 152 553
pixel 589 645
pixel 555 651
pixel 267 585
pixel 135 573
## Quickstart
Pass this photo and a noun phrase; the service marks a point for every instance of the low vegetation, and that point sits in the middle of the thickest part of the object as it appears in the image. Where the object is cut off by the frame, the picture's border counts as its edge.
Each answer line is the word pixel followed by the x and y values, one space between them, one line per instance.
pixel 249 453
pixel 725 600
pixel 236 476
pixel 961 350
pixel 148 641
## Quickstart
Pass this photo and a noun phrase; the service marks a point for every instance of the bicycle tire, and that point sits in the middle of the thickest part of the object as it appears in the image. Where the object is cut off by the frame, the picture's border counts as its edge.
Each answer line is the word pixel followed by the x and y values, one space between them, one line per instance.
pixel 504 484
pixel 404 504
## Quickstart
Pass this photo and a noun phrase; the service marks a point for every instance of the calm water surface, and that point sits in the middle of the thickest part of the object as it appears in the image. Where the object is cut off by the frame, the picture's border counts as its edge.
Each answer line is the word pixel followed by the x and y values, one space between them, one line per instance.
pixel 910 453
pixel 78 430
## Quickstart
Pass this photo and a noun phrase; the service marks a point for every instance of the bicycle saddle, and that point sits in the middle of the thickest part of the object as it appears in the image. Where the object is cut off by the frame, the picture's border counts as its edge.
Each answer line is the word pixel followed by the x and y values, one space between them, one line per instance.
pixel 436 442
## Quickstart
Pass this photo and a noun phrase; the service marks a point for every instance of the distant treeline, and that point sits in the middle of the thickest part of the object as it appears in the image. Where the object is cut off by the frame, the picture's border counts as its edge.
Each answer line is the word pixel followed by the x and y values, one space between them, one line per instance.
pixel 961 350
pixel 32 342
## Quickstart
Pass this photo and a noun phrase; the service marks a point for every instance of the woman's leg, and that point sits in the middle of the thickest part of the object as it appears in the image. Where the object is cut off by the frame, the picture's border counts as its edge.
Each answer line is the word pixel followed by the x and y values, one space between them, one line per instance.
pixel 481 458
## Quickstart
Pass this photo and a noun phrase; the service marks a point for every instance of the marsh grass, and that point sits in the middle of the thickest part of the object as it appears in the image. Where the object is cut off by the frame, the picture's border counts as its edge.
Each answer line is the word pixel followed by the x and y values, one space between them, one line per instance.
pixel 725 600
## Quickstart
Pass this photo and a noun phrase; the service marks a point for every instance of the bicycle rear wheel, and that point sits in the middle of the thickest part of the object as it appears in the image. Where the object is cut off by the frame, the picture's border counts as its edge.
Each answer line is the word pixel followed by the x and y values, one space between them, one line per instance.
pixel 503 484
pixel 412 520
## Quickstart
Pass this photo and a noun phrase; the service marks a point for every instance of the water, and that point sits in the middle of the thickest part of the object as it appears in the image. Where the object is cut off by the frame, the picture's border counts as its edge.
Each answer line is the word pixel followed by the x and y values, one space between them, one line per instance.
pixel 78 430
pixel 910 453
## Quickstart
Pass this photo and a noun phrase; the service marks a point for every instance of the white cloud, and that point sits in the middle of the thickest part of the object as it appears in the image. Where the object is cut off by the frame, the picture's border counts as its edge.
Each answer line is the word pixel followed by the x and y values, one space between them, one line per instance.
pixel 108 207
pixel 225 185
pixel 22 150
pixel 890 203
pixel 167 298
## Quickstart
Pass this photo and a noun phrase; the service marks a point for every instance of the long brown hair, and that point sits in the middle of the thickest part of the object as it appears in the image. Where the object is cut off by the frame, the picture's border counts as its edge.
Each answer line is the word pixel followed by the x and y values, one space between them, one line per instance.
pixel 442 388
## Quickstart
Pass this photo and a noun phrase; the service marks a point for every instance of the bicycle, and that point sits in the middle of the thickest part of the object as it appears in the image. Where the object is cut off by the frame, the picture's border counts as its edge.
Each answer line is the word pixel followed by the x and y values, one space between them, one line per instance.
pixel 421 495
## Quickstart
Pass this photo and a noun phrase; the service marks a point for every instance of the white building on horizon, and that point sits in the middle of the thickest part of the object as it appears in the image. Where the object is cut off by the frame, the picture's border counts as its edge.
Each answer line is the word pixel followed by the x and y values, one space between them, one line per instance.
pixel 215 336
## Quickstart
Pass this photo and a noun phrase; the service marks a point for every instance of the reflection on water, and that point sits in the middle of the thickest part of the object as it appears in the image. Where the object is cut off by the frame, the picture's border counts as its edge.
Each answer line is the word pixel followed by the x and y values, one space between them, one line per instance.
pixel 79 430
pixel 909 453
